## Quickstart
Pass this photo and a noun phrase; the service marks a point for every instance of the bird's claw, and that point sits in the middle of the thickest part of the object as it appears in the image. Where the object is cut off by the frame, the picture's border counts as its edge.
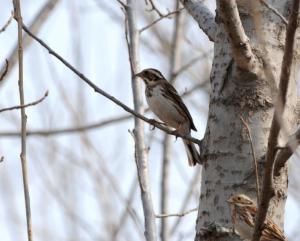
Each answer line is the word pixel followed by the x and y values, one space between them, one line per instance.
pixel 175 133
pixel 152 122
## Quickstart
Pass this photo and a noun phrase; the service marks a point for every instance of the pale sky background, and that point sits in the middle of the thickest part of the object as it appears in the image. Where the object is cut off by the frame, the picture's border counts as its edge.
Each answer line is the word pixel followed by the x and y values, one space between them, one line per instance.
pixel 61 184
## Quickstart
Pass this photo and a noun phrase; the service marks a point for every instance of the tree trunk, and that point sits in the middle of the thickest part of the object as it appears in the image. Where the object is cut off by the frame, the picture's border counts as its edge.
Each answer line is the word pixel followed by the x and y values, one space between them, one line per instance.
pixel 228 163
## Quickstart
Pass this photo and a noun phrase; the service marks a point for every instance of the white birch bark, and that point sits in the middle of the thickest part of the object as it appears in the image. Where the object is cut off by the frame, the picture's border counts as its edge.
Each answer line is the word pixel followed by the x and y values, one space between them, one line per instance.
pixel 228 166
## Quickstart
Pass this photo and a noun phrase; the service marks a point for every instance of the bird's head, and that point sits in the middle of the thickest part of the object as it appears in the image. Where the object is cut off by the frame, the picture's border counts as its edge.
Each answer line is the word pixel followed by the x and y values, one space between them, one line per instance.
pixel 240 200
pixel 151 77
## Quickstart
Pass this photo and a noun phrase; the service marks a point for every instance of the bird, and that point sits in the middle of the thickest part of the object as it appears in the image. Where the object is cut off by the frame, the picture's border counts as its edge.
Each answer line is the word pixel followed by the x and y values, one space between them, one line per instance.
pixel 243 218
pixel 165 102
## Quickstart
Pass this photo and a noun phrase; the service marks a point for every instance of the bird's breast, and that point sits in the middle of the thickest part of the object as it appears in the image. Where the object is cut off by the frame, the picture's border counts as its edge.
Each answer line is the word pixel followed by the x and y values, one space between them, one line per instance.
pixel 163 107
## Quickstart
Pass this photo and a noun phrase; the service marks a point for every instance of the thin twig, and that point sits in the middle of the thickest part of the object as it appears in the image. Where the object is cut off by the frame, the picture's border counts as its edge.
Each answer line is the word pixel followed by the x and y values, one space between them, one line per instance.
pixel 125 212
pixel 189 64
pixel 274 10
pixel 176 214
pixel 7 22
pixel 18 16
pixel 253 157
pixel 34 27
pixel 192 186
pixel 5 70
pixel 69 130
pixel 26 105
pixel 122 4
pixel 153 7
pixel 268 189
pixel 85 127
pixel 159 19
pixel 105 94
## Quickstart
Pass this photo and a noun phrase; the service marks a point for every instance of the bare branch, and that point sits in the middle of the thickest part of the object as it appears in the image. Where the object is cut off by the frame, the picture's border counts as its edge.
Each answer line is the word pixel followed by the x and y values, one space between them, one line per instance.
pixel 69 130
pixel 154 8
pixel 189 64
pixel 174 63
pixel 286 152
pixel 34 27
pixel 267 188
pixel 18 17
pixel 254 158
pixel 140 148
pixel 26 105
pixel 203 16
pixel 127 210
pixel 176 214
pixel 122 4
pixel 159 19
pixel 105 94
pixel 5 70
pixel 240 45
pixel 192 185
pixel 7 22
pixel 275 11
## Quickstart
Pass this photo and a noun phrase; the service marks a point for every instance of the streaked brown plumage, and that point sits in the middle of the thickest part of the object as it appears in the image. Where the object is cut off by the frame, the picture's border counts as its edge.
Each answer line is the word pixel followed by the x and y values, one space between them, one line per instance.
pixel 167 105
pixel 243 219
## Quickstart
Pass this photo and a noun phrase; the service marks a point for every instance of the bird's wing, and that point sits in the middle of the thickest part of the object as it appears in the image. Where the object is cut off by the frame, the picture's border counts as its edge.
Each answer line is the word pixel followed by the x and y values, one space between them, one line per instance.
pixel 173 94
pixel 272 232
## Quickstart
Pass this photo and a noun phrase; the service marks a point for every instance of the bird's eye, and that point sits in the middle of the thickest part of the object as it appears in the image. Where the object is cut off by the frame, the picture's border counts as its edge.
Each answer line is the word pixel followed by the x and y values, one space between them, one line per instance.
pixel 239 198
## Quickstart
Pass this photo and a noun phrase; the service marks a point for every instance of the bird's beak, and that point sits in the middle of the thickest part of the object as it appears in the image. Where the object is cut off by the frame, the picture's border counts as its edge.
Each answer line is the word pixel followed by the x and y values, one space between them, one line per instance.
pixel 138 75
pixel 229 200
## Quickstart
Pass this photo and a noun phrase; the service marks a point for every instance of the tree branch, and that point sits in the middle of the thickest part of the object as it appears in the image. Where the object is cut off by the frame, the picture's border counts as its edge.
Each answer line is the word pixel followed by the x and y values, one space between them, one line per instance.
pixel 7 23
pixel 154 8
pixel 203 16
pixel 176 214
pixel 37 23
pixel 159 19
pixel 18 17
pixel 68 130
pixel 174 63
pixel 285 153
pixel 275 11
pixel 105 94
pixel 240 45
pixel 4 72
pixel 140 148
pixel 86 127
pixel 192 186
pixel 267 188
pixel 254 158
pixel 26 105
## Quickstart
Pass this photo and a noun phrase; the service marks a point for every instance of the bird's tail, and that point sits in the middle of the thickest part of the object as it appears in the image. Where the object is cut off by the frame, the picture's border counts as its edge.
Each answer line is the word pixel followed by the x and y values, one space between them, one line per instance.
pixel 192 153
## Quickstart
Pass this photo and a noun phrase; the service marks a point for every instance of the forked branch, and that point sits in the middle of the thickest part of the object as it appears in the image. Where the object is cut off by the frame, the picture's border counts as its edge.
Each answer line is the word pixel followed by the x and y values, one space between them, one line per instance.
pixel 240 45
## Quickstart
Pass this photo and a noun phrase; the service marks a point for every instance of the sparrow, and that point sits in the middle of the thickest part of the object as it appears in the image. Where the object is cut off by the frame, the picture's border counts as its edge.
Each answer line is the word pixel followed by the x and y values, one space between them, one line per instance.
pixel 165 102
pixel 243 218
